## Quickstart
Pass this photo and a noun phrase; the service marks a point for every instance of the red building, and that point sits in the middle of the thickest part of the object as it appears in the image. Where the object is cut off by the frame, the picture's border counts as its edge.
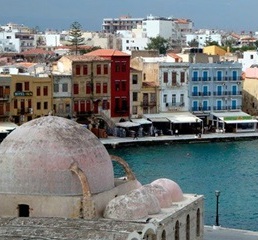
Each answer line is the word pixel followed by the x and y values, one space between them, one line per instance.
pixel 119 80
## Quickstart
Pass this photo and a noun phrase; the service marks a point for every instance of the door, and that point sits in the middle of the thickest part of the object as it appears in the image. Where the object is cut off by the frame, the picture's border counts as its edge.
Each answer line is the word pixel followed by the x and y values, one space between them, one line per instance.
pixel 219 105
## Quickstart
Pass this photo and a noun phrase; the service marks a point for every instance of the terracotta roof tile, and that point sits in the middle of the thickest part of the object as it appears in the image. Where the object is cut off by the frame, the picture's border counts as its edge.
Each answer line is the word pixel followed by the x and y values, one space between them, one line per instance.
pixel 36 51
pixel 107 53
pixel 85 58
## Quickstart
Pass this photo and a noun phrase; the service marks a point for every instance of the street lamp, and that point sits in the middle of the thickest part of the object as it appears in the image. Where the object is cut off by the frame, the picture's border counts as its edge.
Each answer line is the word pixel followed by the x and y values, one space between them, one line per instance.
pixel 217 194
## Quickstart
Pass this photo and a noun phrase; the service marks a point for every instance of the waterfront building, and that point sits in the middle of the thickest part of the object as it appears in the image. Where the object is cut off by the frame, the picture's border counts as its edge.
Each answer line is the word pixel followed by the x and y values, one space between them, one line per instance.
pixel 215 95
pixel 214 50
pixel 90 81
pixel 62 94
pixel 250 94
pixel 5 84
pixel 30 97
pixel 64 193
pixel 119 81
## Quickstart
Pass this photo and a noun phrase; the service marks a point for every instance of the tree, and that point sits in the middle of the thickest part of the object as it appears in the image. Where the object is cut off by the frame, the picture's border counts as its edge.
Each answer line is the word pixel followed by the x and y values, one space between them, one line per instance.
pixel 193 43
pixel 158 43
pixel 75 35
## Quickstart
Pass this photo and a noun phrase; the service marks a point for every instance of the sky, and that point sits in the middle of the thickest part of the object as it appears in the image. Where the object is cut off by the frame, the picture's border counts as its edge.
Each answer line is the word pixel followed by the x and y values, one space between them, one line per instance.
pixel 229 15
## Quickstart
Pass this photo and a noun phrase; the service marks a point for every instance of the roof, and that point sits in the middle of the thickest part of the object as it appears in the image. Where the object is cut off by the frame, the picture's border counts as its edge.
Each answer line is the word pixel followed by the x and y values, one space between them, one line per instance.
pixel 26 64
pixel 45 172
pixel 36 51
pixel 234 117
pixel 84 58
pixel 107 53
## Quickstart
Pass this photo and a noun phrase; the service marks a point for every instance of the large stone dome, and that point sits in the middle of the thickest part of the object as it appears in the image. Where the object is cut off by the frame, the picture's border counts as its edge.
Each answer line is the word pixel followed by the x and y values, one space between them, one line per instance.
pixel 36 157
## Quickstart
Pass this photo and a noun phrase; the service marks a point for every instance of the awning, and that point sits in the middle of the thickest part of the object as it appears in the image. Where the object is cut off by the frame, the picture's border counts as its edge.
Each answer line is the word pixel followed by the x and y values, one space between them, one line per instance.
pixel 241 121
pixel 141 121
pixel 159 119
pixel 235 117
pixel 184 119
pixel 127 124
pixel 7 126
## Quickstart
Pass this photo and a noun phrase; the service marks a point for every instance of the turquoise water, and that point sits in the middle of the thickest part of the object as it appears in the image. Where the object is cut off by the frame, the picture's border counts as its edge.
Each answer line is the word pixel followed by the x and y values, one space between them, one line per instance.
pixel 202 168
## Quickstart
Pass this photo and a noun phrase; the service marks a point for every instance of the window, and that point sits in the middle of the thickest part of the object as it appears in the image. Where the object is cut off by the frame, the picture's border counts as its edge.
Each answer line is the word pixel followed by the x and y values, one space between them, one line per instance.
pixel 123 67
pixel 98 88
pixel 15 104
pixel 45 105
pixel 144 76
pixel 251 56
pixel 117 85
pixel 78 70
pixel 117 67
pixel 56 87
pixel 75 88
pixel 105 68
pixel 198 223
pixel 45 90
pixel 123 87
pixel 124 104
pixel 24 210
pixel 38 91
pixel 27 86
pixel 165 98
pixel 135 96
pixel 18 87
pixel 182 77
pixel 104 90
pixel 135 110
pixel 29 103
pixel 187 230
pixel 135 78
pixel 182 99
pixel 88 88
pixel 85 70
pixel 98 69
pixel 173 99
pixel 105 105
pixel 38 105
pixel 165 77
pixel 177 231
pixel 174 78
pixel 65 87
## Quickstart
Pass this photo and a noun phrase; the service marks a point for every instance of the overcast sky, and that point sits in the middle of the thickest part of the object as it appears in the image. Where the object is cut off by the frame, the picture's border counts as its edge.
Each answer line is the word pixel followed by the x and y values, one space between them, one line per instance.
pixel 231 15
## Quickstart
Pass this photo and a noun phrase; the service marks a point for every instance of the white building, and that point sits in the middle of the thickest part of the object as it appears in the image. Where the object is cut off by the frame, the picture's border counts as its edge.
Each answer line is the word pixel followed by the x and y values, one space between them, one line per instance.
pixel 203 36
pixel 249 58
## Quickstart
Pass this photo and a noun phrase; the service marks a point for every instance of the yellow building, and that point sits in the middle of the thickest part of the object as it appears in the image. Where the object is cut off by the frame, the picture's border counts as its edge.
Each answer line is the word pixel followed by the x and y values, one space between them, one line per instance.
pixel 31 97
pixel 214 50
pixel 90 83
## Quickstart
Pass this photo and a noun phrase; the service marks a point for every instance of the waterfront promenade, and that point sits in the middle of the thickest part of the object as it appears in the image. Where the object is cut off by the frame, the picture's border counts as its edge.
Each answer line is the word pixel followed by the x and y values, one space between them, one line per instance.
pixel 191 138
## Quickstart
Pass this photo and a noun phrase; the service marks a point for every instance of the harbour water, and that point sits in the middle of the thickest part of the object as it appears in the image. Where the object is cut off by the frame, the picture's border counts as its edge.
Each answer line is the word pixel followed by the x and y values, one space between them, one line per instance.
pixel 202 168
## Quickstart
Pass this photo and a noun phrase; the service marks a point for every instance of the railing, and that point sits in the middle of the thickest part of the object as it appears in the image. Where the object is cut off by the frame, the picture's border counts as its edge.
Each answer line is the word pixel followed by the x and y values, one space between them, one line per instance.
pixel 175 105
pixel 200 109
pixel 148 104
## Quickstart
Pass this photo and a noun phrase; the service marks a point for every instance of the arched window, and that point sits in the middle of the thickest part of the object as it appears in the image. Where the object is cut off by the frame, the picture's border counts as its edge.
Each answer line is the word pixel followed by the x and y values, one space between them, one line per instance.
pixel 24 210
pixel 177 230
pixel 163 235
pixel 198 223
pixel 187 230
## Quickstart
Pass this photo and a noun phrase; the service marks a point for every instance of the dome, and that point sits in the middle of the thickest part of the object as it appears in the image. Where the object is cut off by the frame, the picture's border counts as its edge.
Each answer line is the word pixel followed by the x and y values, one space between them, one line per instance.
pixel 36 159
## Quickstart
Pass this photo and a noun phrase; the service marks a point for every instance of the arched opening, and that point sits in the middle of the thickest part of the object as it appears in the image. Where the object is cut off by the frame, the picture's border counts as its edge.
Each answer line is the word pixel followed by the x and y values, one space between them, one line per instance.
pixel 23 210
pixel 177 230
pixel 198 222
pixel 187 230
pixel 163 235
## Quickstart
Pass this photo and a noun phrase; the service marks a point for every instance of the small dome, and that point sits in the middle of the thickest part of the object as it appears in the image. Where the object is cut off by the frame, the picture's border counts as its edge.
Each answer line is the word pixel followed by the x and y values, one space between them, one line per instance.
pixel 36 157
pixel 172 188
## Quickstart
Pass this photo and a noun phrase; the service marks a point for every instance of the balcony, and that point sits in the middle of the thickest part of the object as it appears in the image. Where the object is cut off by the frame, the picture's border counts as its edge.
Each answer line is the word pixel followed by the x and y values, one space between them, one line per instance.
pixel 175 106
pixel 22 111
pixel 4 97
pixel 148 104
pixel 201 109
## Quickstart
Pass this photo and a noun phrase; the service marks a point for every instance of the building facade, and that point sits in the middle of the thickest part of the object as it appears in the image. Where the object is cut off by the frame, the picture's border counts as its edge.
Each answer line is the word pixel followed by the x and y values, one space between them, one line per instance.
pixel 119 81
pixel 5 84
pixel 31 97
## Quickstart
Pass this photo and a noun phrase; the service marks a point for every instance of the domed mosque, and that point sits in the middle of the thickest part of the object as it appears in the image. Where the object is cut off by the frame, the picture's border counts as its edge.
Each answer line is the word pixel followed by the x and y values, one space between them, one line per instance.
pixel 57 175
